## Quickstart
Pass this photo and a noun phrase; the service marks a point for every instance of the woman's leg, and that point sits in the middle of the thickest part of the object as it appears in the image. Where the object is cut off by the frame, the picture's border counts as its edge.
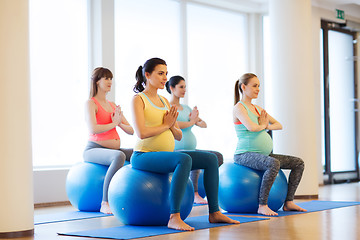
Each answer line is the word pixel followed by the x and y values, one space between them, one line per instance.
pixel 166 162
pixel 109 157
pixel 270 166
pixel 209 162
pixel 194 176
pixel 128 153
pixel 296 165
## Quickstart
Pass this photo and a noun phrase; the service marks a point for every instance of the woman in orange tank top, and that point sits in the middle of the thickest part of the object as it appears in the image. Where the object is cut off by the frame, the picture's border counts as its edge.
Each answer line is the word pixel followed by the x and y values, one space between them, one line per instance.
pixel 102 117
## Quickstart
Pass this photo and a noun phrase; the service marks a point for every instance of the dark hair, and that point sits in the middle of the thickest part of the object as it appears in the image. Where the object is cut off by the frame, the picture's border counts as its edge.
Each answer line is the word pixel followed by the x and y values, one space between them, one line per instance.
pixel 173 81
pixel 97 74
pixel 148 67
pixel 244 79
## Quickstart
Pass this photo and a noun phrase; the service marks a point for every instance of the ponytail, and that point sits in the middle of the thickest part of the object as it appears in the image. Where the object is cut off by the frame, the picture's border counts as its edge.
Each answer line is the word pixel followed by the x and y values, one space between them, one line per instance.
pixel 140 80
pixel 167 85
pixel 237 92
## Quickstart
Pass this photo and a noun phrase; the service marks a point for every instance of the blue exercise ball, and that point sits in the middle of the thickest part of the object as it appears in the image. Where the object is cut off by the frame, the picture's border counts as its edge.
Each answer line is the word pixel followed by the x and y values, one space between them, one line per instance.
pixel 142 198
pixel 239 188
pixel 84 186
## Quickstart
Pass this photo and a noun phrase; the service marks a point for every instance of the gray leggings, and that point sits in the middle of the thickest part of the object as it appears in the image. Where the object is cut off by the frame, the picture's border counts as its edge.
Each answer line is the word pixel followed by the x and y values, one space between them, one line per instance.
pixel 113 158
pixel 194 174
pixel 271 165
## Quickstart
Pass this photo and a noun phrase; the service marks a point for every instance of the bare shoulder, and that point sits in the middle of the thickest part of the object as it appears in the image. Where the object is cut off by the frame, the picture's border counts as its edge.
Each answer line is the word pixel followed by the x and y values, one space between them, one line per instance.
pixel 90 103
pixel 239 107
pixel 137 99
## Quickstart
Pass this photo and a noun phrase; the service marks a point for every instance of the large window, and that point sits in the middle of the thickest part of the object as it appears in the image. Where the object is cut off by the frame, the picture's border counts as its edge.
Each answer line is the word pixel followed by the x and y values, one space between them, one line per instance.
pixel 216 59
pixel 210 51
pixel 59 80
pixel 143 29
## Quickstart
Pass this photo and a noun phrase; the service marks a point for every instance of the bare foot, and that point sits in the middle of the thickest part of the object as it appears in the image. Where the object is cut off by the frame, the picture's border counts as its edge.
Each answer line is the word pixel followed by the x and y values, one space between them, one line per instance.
pixel 175 222
pixel 265 210
pixel 105 208
pixel 198 199
pixel 291 206
pixel 218 217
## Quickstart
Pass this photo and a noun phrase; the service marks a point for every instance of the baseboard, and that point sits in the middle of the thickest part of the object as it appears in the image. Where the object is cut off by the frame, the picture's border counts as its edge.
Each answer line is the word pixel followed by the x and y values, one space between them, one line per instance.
pixel 51 204
pixel 307 196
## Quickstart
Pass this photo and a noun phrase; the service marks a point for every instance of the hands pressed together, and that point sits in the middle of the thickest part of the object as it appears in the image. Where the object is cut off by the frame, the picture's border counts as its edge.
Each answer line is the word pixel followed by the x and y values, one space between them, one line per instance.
pixel 194 115
pixel 117 115
pixel 264 118
pixel 171 116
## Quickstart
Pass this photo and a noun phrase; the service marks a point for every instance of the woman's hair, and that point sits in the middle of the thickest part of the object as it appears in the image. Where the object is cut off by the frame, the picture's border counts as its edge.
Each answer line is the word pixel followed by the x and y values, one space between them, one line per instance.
pixel 97 74
pixel 173 81
pixel 148 67
pixel 244 79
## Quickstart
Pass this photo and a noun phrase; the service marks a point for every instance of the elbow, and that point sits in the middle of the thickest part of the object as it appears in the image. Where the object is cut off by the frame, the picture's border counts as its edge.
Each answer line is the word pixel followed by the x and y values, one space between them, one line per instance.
pixel 142 136
pixel 178 136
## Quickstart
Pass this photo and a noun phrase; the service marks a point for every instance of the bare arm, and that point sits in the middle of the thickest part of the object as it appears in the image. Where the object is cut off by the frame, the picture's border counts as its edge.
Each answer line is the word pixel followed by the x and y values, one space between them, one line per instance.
pixel 273 123
pixel 201 123
pixel 90 118
pixel 175 129
pixel 124 124
pixel 240 113
pixel 139 120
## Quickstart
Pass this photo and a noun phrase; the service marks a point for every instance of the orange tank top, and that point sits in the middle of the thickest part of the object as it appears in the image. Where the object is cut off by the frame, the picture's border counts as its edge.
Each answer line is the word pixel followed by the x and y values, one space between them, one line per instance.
pixel 104 117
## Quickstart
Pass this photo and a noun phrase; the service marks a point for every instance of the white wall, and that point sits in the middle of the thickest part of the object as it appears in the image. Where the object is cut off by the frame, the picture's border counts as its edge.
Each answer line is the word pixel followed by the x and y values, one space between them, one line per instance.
pixel 317 15
pixel 49 185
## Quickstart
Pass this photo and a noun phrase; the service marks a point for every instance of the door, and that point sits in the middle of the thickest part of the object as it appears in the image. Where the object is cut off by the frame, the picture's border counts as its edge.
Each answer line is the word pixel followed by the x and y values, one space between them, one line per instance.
pixel 340 103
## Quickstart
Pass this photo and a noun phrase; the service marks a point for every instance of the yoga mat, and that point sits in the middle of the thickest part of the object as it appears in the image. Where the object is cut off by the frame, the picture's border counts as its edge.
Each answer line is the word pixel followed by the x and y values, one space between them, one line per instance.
pixel 129 232
pixel 311 206
pixel 66 216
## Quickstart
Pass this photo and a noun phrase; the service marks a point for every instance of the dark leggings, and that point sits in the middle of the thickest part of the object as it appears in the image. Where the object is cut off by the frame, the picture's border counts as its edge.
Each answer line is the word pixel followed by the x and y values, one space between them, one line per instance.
pixel 271 165
pixel 114 158
pixel 181 163
pixel 194 174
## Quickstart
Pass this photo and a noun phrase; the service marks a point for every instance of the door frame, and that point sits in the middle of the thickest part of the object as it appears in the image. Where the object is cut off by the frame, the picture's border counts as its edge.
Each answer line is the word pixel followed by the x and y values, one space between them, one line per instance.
pixel 326 26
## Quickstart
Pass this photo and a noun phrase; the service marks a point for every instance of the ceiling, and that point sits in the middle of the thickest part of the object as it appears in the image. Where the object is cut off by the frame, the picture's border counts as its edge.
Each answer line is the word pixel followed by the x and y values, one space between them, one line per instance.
pixel 351 7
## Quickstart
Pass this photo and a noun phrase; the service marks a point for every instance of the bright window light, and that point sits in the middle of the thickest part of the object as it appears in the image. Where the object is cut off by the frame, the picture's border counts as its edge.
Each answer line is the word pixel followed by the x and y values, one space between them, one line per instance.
pixel 59 80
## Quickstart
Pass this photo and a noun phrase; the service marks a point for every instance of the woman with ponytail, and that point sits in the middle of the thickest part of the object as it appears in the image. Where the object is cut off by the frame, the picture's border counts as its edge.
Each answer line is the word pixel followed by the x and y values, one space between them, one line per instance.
pixel 102 118
pixel 254 145
pixel 156 128
pixel 186 119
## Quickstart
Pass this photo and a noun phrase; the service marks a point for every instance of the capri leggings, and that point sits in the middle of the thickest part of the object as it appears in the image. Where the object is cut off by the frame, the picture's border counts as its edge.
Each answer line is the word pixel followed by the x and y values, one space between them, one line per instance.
pixel 271 165
pixel 181 163
pixel 113 158
pixel 194 174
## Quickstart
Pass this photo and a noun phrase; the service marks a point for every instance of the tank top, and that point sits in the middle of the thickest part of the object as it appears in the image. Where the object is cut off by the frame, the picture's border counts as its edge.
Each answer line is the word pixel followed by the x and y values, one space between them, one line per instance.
pixel 103 117
pixel 188 140
pixel 154 116
pixel 259 142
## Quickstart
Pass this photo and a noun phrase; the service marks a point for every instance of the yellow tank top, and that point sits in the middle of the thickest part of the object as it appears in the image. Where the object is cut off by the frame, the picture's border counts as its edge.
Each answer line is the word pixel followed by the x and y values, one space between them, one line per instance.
pixel 154 116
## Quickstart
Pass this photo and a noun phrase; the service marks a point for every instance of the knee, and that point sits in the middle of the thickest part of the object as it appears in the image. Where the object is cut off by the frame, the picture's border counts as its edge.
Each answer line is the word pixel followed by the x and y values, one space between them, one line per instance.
pixel 220 159
pixel 274 164
pixel 118 159
pixel 300 164
pixel 213 159
pixel 186 161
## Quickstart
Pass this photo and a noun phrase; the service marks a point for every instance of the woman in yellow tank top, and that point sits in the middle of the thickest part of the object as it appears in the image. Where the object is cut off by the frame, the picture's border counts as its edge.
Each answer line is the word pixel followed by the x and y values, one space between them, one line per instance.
pixel 155 125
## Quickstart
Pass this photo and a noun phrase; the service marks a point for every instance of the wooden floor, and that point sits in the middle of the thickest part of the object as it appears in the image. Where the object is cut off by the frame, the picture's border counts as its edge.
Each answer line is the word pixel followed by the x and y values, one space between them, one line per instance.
pixel 341 223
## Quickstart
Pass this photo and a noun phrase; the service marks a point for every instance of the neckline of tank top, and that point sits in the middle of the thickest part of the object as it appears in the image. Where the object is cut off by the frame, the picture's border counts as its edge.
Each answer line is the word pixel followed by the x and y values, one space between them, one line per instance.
pixel 103 107
pixel 153 104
